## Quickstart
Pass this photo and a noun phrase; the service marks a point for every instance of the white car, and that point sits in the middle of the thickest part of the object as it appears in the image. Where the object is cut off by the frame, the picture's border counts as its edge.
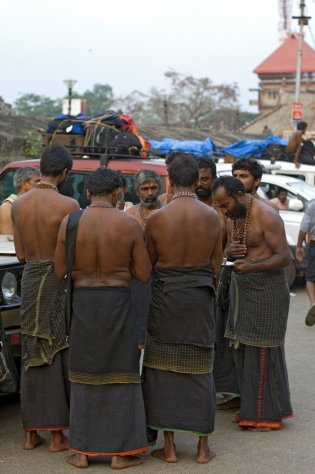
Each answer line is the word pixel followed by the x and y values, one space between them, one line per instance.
pixel 299 194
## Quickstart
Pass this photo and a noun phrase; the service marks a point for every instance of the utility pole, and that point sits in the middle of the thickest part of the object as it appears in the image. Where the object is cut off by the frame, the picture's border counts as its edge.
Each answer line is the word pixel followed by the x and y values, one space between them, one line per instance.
pixel 303 21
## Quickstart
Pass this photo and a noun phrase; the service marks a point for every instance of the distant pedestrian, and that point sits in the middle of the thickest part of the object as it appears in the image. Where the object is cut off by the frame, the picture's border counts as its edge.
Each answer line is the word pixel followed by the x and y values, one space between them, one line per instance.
pixel 308 226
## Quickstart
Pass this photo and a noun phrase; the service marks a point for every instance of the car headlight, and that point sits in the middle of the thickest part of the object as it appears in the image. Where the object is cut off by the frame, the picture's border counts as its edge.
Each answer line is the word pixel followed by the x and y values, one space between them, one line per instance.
pixel 9 287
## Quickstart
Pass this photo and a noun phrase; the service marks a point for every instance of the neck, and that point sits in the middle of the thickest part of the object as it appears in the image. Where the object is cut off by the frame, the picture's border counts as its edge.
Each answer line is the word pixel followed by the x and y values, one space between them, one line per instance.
pixel 106 199
pixel 50 179
pixel 183 189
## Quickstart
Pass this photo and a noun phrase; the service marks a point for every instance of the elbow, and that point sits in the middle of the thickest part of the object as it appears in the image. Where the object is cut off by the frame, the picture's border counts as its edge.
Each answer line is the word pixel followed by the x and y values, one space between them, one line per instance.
pixel 144 276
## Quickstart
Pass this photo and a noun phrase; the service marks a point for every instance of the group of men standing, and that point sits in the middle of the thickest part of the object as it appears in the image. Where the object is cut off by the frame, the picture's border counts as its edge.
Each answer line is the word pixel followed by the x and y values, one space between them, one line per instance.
pixel 147 278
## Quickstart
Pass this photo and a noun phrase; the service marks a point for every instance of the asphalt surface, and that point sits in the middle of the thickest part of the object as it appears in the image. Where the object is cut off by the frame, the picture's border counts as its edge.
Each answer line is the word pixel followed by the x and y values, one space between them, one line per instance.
pixel 290 450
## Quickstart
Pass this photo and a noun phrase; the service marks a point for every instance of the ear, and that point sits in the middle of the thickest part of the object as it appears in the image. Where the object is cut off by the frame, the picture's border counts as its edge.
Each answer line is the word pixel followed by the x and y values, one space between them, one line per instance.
pixel 257 182
pixel 88 195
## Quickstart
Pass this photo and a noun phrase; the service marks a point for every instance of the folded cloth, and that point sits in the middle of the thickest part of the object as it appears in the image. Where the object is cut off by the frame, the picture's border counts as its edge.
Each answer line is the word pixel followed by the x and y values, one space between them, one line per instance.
pixel 259 309
pixel 182 306
pixel 42 314
pixel 103 337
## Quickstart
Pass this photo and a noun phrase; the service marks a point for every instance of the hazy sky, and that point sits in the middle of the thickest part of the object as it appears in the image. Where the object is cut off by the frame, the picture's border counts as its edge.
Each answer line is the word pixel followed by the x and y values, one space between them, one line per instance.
pixel 130 44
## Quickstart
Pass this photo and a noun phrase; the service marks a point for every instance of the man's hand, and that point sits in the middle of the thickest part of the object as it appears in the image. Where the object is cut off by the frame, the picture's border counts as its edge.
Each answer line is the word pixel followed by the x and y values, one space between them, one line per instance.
pixel 297 164
pixel 235 250
pixel 299 254
pixel 242 266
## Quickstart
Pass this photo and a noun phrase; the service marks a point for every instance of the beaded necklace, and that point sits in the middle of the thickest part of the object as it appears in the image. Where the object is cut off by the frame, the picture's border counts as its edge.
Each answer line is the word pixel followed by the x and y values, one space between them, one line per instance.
pixel 104 204
pixel 240 233
pixel 45 185
pixel 184 194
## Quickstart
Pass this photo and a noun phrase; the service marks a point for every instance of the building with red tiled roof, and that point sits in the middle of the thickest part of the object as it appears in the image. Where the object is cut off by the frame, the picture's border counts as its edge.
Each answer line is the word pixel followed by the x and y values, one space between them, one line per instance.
pixel 277 73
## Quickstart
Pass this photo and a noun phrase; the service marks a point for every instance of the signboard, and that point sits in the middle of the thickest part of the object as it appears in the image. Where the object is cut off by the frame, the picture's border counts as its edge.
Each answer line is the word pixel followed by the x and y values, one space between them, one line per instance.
pixel 297 111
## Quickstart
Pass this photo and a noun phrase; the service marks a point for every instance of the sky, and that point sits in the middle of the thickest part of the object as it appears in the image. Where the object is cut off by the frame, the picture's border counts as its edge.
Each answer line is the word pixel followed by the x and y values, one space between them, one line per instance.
pixel 130 44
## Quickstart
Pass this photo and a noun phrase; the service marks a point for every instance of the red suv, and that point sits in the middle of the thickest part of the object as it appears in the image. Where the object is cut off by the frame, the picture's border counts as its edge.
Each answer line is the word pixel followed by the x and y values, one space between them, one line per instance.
pixel 75 183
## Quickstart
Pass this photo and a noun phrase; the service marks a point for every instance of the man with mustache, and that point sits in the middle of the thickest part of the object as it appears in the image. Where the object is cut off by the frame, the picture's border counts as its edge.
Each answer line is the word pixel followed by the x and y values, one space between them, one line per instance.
pixel 147 186
pixel 259 304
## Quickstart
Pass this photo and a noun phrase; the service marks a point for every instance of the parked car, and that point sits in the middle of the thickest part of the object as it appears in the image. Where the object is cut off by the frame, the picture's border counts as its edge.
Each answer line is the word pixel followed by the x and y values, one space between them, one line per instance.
pixel 285 168
pixel 10 298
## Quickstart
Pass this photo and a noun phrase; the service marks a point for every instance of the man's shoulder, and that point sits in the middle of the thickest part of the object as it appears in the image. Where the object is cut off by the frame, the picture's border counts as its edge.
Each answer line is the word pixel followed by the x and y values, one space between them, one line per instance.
pixel 132 211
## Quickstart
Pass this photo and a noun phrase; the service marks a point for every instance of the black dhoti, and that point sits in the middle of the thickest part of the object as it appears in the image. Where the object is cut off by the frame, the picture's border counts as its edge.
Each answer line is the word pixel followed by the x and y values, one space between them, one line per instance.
pixel 178 383
pixel 107 411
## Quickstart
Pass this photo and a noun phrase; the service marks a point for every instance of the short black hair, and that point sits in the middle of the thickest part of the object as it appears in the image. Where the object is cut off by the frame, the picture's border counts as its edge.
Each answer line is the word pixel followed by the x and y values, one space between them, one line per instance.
pixel 249 164
pixel 184 171
pixel 54 160
pixel 231 185
pixel 301 126
pixel 103 181
pixel 207 162
pixel 170 157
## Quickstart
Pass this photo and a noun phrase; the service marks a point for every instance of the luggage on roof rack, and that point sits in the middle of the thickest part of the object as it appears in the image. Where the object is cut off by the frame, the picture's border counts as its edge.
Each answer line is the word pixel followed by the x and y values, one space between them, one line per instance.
pixel 105 136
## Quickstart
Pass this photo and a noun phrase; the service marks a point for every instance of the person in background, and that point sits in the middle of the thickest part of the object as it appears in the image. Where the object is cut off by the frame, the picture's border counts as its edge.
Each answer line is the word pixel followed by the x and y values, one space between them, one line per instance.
pixel 281 200
pixel 24 179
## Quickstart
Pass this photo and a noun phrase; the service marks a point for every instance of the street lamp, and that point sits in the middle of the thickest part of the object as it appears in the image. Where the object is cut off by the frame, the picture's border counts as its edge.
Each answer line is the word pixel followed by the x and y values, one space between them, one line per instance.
pixel 69 84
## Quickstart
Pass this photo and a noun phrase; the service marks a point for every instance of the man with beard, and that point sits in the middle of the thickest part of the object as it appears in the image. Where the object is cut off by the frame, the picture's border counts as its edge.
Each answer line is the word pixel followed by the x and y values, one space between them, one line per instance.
pixel 250 171
pixel 259 304
pixel 178 383
pixel 224 370
pixel 147 186
pixel 36 217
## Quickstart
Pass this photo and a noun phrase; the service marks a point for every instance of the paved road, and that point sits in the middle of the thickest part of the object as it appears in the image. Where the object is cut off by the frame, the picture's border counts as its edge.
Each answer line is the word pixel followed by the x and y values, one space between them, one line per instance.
pixel 290 450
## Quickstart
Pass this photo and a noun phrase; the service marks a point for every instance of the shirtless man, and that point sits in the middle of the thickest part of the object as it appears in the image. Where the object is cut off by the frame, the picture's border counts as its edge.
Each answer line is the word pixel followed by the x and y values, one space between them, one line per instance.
pixel 24 179
pixel 259 299
pixel 147 186
pixel 184 243
pixel 297 146
pixel 107 410
pixel 36 218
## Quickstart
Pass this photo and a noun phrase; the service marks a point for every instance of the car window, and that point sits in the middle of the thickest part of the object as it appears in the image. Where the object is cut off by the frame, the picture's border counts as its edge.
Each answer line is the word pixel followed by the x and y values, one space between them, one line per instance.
pixel 306 189
pixel 74 186
pixel 6 185
pixel 271 190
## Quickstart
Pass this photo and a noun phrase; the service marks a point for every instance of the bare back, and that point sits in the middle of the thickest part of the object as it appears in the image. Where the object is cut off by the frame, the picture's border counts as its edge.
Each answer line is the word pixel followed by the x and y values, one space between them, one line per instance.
pixel 185 233
pixel 294 141
pixel 109 249
pixel 36 217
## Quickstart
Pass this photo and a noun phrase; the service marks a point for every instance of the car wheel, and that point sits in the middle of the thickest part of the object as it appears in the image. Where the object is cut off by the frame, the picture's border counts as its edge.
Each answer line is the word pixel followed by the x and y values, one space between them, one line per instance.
pixel 290 271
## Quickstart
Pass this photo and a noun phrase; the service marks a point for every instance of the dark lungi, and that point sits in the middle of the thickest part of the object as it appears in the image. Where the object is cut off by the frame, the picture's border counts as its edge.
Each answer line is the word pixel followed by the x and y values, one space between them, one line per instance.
pixel 44 382
pixel 256 328
pixel 107 411
pixel 178 383
pixel 224 368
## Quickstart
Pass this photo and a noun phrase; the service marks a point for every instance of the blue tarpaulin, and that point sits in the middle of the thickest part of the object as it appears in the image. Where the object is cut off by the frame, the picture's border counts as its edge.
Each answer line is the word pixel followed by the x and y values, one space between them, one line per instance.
pixel 194 147
pixel 248 148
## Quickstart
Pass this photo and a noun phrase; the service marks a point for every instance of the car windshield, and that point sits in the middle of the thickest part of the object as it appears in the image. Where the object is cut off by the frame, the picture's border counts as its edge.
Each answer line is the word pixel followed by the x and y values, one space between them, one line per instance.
pixel 306 189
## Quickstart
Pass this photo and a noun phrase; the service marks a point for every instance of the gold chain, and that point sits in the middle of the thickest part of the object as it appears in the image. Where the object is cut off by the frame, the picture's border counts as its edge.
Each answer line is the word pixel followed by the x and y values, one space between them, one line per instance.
pixel 45 185
pixel 240 233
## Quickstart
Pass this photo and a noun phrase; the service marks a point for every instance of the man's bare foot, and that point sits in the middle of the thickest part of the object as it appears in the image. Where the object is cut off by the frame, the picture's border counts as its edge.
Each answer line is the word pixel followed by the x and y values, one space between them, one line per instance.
pixel 32 440
pixel 58 442
pixel 229 404
pixel 204 454
pixel 122 462
pixel 168 455
pixel 78 460
pixel 236 417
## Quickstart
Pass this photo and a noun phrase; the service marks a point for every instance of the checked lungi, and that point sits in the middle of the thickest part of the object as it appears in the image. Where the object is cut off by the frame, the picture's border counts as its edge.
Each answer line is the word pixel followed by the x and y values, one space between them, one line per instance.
pixel 44 374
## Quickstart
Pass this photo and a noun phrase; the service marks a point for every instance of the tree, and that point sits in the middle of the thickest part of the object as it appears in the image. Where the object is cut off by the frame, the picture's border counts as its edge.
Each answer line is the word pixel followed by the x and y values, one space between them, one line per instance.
pixel 99 98
pixel 34 105
pixel 190 102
